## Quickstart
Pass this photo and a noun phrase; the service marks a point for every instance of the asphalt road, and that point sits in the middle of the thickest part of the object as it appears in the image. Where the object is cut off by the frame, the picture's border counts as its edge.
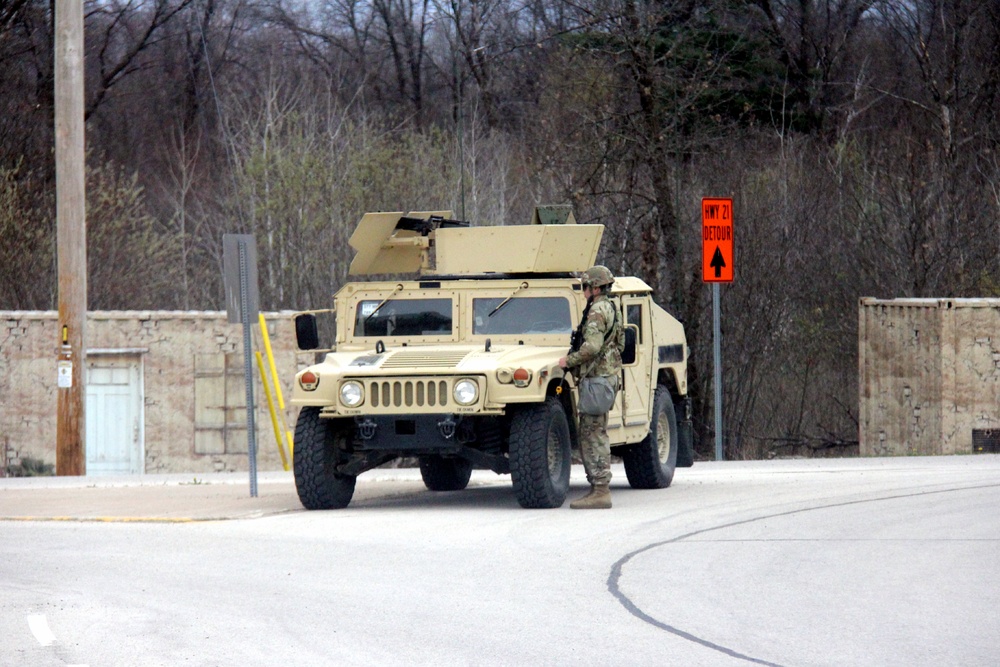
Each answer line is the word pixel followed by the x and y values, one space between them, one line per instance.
pixel 831 562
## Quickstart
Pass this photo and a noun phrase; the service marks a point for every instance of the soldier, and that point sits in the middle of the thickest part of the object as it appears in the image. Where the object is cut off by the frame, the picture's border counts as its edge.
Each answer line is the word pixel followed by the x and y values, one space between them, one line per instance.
pixel 596 352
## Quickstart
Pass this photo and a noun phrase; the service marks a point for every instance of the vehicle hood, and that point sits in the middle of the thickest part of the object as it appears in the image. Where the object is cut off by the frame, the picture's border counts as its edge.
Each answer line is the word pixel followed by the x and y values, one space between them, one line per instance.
pixel 441 359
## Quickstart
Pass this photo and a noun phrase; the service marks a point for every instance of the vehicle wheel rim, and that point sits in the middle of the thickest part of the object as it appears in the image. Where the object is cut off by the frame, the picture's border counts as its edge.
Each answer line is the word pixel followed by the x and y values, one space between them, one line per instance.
pixel 663 437
pixel 552 452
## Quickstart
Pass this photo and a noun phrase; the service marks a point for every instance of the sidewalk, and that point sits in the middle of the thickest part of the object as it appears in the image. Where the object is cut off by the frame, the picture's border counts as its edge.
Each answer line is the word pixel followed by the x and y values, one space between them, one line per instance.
pixel 174 498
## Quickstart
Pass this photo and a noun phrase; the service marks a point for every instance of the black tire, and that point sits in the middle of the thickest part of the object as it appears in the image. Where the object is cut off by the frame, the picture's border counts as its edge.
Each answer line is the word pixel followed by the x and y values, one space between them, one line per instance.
pixel 540 456
pixel 316 454
pixel 685 442
pixel 650 464
pixel 445 474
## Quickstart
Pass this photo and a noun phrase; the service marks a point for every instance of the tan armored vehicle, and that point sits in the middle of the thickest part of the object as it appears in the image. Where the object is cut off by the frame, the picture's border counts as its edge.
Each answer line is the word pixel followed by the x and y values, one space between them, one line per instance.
pixel 458 366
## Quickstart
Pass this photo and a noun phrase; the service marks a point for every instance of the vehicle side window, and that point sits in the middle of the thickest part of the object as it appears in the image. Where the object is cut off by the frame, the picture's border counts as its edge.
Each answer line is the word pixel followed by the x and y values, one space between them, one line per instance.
pixel 628 354
pixel 634 316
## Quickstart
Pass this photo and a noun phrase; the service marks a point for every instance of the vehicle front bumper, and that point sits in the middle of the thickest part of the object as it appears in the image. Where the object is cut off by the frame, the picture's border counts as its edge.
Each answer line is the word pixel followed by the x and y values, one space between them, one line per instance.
pixel 442 433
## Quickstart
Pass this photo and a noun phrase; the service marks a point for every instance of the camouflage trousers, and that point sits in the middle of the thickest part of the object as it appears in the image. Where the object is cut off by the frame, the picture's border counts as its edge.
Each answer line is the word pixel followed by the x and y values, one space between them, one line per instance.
pixel 595 446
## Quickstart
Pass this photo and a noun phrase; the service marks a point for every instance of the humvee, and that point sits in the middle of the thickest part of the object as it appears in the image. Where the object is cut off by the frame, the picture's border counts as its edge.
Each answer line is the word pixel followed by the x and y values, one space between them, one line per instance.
pixel 457 366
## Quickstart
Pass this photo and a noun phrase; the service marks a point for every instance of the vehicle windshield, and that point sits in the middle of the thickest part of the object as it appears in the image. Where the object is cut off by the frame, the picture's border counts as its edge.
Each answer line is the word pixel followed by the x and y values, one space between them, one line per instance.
pixel 521 315
pixel 403 317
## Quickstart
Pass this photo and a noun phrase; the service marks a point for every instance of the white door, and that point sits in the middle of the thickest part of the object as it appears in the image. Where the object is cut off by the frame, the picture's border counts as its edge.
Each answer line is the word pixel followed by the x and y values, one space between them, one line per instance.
pixel 114 416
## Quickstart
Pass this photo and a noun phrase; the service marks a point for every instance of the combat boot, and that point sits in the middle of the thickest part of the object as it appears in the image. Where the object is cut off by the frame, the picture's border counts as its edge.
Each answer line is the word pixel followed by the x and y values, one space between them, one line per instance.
pixel 599 498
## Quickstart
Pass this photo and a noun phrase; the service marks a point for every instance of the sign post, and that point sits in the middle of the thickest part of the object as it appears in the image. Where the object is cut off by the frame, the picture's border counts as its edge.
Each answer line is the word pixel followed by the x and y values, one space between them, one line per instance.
pixel 239 260
pixel 717 267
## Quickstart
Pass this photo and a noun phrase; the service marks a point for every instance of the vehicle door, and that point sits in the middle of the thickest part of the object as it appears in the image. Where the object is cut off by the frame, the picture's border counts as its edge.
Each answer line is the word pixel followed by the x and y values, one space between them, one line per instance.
pixel 637 358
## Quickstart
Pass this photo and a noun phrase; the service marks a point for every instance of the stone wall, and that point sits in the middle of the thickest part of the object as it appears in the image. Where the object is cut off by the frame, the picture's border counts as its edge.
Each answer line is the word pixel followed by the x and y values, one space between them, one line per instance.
pixel 929 375
pixel 192 416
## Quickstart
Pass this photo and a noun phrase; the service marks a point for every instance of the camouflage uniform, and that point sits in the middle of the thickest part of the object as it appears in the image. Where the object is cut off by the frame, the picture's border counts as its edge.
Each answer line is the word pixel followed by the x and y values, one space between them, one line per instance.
pixel 599 354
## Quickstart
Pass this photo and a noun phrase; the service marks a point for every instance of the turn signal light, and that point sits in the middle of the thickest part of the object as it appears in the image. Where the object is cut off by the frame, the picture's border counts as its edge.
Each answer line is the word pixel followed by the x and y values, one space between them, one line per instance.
pixel 309 381
pixel 522 377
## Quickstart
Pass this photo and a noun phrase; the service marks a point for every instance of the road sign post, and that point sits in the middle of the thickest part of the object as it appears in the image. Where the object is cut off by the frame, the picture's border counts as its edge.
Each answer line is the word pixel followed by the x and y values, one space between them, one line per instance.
pixel 717 267
pixel 239 261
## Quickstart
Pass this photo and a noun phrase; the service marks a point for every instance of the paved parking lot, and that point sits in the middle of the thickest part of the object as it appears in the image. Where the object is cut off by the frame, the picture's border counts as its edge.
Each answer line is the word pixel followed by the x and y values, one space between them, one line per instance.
pixel 878 562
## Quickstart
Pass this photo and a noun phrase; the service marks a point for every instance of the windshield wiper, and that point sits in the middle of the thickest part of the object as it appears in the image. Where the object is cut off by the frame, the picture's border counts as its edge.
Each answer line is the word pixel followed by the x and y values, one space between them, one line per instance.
pixel 399 288
pixel 504 302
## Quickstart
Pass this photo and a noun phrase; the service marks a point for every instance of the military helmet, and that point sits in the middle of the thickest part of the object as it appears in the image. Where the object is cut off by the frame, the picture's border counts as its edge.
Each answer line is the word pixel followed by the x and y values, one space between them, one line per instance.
pixel 598 276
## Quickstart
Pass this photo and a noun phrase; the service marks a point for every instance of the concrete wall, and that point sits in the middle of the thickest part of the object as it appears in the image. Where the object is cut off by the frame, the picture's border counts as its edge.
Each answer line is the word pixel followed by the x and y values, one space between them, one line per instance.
pixel 193 416
pixel 929 374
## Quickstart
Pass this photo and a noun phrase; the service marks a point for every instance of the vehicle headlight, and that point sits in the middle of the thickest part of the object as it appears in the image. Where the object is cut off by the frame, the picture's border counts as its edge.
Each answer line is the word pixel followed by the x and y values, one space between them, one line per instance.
pixel 466 391
pixel 351 394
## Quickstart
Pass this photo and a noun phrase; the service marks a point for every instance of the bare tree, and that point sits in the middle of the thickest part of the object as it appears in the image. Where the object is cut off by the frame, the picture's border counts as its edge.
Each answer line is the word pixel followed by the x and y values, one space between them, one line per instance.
pixel 27 82
pixel 404 26
pixel 118 34
pixel 26 240
pixel 336 36
pixel 130 256
pixel 857 137
pixel 815 41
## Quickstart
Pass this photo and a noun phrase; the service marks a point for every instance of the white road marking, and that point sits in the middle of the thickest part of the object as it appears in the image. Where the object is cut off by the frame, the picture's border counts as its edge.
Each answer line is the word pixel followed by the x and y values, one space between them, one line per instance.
pixel 40 628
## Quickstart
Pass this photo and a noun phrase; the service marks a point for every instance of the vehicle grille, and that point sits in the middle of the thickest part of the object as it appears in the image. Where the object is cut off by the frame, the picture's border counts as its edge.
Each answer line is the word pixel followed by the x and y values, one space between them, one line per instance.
pixel 419 359
pixel 409 393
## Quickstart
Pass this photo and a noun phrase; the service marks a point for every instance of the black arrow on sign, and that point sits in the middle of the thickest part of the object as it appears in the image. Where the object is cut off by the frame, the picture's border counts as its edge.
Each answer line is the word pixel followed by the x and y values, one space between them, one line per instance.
pixel 717 263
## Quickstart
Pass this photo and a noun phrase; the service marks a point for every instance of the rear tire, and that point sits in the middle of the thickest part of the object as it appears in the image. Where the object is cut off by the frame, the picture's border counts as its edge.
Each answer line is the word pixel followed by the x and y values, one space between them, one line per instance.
pixel 445 474
pixel 650 464
pixel 317 447
pixel 540 455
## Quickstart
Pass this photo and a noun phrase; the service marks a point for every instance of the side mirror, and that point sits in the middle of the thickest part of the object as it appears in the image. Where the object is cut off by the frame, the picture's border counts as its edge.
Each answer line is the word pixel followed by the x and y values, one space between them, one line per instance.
pixel 628 354
pixel 306 332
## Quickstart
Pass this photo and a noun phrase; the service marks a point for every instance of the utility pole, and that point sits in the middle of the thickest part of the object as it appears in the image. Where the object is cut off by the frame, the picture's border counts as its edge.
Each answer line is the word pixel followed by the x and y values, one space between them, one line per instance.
pixel 71 238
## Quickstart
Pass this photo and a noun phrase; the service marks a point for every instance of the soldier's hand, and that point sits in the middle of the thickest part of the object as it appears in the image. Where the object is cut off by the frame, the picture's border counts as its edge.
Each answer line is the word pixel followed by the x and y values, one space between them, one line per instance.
pixel 562 362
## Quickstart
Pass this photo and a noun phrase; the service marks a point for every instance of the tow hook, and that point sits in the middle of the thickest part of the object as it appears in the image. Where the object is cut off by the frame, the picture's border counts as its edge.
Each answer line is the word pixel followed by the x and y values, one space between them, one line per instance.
pixel 447 428
pixel 366 428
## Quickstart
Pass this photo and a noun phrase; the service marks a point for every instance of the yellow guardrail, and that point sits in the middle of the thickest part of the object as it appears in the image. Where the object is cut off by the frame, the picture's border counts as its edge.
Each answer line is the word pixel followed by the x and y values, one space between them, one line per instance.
pixel 282 434
pixel 270 406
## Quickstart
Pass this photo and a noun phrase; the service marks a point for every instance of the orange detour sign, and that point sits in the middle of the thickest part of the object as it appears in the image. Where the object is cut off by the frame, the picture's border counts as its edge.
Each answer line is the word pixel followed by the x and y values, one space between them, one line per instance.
pixel 717 240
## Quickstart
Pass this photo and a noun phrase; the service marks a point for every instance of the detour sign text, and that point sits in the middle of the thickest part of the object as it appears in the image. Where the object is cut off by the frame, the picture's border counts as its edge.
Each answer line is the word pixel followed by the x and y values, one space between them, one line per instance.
pixel 717 240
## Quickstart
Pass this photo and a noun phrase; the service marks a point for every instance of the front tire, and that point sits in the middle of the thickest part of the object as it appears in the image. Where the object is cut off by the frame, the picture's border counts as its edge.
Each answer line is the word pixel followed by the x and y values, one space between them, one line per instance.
pixel 317 445
pixel 650 464
pixel 445 474
pixel 540 455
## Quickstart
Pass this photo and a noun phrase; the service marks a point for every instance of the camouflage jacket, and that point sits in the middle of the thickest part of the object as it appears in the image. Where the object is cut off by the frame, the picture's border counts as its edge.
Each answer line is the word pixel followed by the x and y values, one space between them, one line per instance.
pixel 600 352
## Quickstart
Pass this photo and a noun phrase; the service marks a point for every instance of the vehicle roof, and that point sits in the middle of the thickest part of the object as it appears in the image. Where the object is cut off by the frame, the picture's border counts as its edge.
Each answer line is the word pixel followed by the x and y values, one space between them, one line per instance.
pixel 394 242
pixel 622 285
